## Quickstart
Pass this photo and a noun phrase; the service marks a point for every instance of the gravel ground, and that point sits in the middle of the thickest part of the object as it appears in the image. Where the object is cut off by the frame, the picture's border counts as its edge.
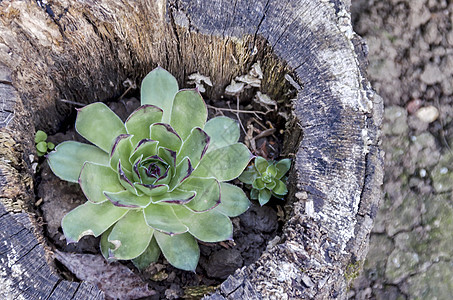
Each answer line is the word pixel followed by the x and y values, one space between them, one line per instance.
pixel 411 66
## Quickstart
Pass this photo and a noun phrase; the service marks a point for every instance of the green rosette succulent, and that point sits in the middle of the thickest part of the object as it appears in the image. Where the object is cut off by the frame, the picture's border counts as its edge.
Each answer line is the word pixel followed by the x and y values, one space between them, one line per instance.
pixel 266 178
pixel 155 183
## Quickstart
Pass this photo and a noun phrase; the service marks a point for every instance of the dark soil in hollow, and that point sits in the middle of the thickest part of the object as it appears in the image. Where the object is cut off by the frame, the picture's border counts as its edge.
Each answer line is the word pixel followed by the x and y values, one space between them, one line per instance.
pixel 263 134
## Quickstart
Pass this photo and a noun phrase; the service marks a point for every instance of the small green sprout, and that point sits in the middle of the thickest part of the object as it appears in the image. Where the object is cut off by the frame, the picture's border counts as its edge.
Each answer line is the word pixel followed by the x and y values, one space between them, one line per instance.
pixel 157 182
pixel 267 179
pixel 42 146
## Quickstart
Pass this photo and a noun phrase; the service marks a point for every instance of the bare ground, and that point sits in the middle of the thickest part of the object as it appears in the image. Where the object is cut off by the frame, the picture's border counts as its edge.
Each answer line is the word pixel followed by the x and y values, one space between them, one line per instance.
pixel 411 67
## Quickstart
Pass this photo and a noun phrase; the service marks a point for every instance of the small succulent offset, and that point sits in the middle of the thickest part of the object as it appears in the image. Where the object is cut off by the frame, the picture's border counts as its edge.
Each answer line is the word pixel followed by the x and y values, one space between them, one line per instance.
pixel 267 179
pixel 155 183
pixel 42 146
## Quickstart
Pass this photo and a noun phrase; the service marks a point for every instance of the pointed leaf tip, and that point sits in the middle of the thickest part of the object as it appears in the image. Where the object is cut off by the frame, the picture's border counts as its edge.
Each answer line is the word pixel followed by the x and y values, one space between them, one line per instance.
pixel 141 119
pixel 188 111
pixel 159 88
pixel 194 146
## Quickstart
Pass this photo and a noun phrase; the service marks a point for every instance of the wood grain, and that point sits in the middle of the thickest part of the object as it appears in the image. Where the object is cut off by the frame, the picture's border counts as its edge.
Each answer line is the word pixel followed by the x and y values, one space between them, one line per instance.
pixel 84 50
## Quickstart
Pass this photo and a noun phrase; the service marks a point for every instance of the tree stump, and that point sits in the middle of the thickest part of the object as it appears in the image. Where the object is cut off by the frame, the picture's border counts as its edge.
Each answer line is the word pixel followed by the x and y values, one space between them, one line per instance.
pixel 84 50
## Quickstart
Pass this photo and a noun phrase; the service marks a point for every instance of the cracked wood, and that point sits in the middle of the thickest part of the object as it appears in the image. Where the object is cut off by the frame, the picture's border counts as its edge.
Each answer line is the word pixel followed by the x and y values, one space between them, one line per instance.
pixel 84 51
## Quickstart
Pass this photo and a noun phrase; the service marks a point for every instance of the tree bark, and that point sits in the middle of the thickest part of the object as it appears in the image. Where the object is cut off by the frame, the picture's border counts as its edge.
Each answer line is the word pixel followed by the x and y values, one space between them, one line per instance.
pixel 84 50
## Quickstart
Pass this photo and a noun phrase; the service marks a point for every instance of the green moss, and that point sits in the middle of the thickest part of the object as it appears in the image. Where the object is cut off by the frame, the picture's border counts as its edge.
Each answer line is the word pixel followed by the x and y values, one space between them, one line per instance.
pixel 198 292
pixel 352 272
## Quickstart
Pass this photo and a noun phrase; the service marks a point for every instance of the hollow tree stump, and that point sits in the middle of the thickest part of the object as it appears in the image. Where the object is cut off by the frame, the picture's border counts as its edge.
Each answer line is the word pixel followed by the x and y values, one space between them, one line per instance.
pixel 84 50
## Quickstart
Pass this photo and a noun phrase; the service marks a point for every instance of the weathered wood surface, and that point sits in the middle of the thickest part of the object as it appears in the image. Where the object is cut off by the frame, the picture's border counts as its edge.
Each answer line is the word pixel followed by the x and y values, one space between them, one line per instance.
pixel 84 50
pixel 24 272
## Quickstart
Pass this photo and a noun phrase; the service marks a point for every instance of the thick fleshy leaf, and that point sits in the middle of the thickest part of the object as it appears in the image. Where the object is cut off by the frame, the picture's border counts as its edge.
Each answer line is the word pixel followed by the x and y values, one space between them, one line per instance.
pixel 169 156
pixel 271 184
pixel 150 255
pixel 266 178
pixel 90 219
pixel 261 164
pixel 208 193
pixel 68 158
pixel 254 194
pixel 99 124
pixel 283 166
pixel 152 170
pixel 163 218
pixel 123 178
pixel 127 199
pixel 144 148
pixel 104 243
pixel 140 120
pixel 159 88
pixel 180 250
pixel 96 179
pixel 271 170
pixel 258 184
pixel 280 188
pixel 234 201
pixel 40 136
pixel 130 235
pixel 183 171
pixel 223 131
pixel 188 111
pixel 166 135
pixel 248 176
pixel 121 150
pixel 136 170
pixel 174 197
pixel 194 147
pixel 210 226
pixel 166 177
pixel 41 147
pixel 264 196
pixel 152 190
pixel 224 163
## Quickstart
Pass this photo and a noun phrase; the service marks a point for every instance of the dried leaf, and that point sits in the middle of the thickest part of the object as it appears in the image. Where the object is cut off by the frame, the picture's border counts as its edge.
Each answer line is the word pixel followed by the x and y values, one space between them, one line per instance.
pixel 250 80
pixel 115 280
pixel 264 99
pixel 256 70
pixel 198 79
pixel 234 88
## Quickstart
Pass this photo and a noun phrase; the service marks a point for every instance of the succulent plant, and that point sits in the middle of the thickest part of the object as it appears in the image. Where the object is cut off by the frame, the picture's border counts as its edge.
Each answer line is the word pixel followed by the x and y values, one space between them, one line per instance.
pixel 266 178
pixel 42 146
pixel 155 183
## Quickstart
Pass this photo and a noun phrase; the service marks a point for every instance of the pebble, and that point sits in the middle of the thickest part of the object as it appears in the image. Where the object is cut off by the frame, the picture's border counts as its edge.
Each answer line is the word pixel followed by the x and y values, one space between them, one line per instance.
pixel 427 114
pixel 422 173
pixel 431 74
pixel 413 105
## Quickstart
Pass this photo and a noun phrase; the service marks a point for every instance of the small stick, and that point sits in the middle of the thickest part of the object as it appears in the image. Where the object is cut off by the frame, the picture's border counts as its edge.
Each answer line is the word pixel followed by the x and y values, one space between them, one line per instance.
pixel 72 102
pixel 265 133
pixel 237 114
pixel 124 94
pixel 264 127
pixel 259 123
pixel 237 110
